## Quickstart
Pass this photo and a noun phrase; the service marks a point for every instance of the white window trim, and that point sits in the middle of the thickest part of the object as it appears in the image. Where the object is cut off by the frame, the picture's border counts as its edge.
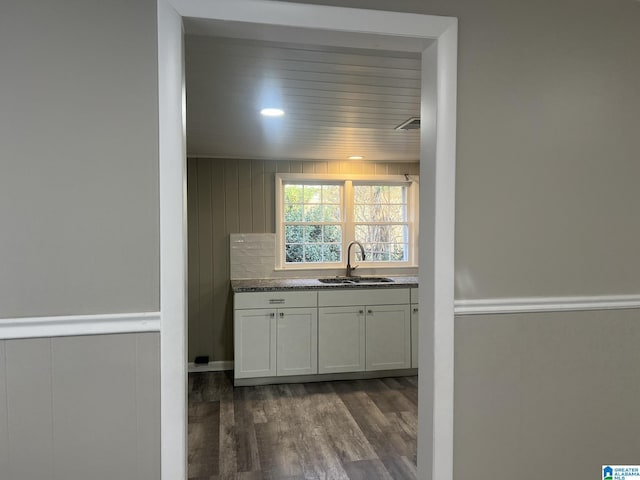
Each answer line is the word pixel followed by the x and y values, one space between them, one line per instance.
pixel 413 215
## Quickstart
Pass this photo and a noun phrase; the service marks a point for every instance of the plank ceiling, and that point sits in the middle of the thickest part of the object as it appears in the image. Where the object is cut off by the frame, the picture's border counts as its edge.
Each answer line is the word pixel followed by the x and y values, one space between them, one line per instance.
pixel 338 101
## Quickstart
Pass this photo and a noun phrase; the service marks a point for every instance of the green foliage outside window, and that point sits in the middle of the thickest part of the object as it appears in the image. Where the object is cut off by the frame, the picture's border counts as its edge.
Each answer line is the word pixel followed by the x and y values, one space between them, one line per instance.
pixel 313 232
pixel 314 223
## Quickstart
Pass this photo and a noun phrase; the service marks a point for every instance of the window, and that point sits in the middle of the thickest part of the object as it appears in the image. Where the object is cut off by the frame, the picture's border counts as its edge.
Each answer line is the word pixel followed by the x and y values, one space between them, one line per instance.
pixel 317 217
pixel 312 223
pixel 380 220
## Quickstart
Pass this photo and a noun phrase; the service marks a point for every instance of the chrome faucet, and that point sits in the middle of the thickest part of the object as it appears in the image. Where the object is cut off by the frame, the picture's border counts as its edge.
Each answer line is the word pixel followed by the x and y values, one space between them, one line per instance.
pixel 350 269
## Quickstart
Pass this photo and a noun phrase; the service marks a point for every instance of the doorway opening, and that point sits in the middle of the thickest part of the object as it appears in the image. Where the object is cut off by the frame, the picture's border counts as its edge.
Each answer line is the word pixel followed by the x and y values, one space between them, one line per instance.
pixel 281 22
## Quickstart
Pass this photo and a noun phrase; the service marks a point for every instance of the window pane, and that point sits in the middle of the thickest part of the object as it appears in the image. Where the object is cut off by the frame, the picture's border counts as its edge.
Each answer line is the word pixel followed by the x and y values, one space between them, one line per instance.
pixel 362 233
pixel 313 234
pixel 331 213
pixel 398 252
pixel 293 193
pixel 331 194
pixel 398 233
pixel 397 194
pixel 362 194
pixel 384 243
pixel 312 194
pixel 397 213
pixel 293 213
pixel 362 213
pixel 332 252
pixel 382 233
pixel 333 233
pixel 293 253
pixel 380 193
pixel 312 213
pixel 380 203
pixel 313 253
pixel 377 252
pixel 314 205
pixel 293 234
pixel 379 213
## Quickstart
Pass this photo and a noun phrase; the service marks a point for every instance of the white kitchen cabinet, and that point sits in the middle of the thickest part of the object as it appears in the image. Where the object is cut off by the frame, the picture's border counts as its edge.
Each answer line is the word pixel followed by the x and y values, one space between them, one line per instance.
pixel 341 339
pixel 385 343
pixel 333 331
pixel 388 337
pixel 273 341
pixel 355 296
pixel 297 341
pixel 255 343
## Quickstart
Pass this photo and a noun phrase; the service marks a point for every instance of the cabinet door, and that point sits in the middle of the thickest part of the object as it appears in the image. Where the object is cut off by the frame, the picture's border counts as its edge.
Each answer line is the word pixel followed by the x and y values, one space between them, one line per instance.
pixel 388 337
pixel 414 336
pixel 255 343
pixel 297 341
pixel 341 339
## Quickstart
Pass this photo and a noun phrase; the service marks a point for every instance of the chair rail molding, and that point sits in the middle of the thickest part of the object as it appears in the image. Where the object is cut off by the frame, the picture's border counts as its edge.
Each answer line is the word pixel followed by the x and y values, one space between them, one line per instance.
pixel 493 306
pixel 77 325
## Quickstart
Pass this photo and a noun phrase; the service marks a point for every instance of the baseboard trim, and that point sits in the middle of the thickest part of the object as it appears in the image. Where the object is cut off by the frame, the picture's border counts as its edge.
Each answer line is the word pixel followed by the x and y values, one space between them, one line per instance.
pixel 217 366
pixel 324 377
pixel 76 325
pixel 493 306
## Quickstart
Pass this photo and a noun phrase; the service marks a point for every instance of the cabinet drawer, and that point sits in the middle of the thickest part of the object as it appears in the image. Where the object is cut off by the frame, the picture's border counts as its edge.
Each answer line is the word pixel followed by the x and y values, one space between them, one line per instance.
pixel 415 295
pixel 278 299
pixel 378 296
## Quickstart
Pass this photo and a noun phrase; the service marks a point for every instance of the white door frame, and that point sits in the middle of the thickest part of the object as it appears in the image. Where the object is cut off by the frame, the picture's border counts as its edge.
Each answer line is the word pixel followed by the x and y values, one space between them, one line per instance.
pixel 437 212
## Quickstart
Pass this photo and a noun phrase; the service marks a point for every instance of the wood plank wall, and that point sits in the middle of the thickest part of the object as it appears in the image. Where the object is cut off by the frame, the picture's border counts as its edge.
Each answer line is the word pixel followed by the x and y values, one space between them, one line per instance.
pixel 237 196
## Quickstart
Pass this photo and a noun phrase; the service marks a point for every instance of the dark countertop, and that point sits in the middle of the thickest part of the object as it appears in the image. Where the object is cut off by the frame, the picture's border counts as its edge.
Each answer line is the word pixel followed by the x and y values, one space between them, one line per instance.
pixel 275 284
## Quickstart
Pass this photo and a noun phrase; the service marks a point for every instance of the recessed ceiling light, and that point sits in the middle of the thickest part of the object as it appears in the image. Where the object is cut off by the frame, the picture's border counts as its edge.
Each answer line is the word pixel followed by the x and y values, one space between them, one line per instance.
pixel 272 112
pixel 355 157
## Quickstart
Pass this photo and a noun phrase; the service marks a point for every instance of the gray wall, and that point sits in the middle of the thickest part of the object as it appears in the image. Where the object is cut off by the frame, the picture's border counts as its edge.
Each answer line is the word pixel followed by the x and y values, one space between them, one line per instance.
pixel 78 158
pixel 79 235
pixel 556 393
pixel 548 103
pixel 73 408
pixel 546 201
pixel 236 196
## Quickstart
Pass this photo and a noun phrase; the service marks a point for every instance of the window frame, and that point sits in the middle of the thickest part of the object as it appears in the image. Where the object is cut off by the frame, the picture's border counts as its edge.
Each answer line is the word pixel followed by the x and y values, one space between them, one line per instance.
pixel 348 222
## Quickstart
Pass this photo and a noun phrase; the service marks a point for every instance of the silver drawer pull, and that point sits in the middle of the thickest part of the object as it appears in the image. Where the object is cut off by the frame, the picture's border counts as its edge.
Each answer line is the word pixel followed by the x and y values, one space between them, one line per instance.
pixel 370 312
pixel 415 310
pixel 276 301
pixel 281 314
pixel 272 315
pixel 360 312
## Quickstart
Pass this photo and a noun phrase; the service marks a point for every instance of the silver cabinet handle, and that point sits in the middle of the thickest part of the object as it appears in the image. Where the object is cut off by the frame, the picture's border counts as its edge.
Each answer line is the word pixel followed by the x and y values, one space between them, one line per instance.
pixel 272 315
pixel 276 301
pixel 370 312
pixel 415 310
pixel 281 314
pixel 360 312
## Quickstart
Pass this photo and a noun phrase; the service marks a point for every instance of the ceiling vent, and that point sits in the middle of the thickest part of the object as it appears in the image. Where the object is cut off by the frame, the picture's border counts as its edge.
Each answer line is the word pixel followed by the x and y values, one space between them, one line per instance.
pixel 412 124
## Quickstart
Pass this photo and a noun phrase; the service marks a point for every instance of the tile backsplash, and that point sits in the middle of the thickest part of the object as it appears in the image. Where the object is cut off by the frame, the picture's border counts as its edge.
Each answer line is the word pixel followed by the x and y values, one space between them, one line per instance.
pixel 252 255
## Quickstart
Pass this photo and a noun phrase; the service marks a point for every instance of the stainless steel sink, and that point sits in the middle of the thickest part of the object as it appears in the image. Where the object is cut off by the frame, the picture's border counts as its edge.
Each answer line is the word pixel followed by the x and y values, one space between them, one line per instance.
pixel 355 280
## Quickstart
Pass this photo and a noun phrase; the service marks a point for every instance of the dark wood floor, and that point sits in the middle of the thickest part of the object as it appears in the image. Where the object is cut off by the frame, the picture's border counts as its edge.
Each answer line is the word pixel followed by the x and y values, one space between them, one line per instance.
pixel 364 429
